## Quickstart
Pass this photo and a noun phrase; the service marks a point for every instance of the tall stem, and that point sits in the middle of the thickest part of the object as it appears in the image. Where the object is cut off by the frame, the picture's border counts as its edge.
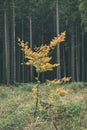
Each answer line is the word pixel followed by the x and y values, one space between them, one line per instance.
pixel 37 96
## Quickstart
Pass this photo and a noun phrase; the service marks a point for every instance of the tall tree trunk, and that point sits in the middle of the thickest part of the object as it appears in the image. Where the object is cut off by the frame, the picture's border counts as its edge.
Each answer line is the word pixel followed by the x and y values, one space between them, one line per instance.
pixel 6 47
pixel 83 65
pixel 64 63
pixel 18 78
pixel 58 46
pixel 22 53
pixel 42 41
pixel 31 68
pixel 72 54
pixel 13 54
pixel 77 54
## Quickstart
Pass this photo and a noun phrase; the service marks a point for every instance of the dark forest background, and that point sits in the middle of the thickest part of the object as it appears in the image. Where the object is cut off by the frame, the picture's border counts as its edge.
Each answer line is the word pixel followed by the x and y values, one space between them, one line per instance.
pixel 37 22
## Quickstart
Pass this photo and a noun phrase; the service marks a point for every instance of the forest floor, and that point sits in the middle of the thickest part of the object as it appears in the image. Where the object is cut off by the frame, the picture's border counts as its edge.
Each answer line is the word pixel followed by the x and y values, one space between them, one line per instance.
pixel 67 111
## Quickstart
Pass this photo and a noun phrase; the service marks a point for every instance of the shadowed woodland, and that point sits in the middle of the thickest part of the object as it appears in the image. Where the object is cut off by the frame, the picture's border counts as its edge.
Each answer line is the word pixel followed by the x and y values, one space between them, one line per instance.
pixel 43 60
pixel 38 22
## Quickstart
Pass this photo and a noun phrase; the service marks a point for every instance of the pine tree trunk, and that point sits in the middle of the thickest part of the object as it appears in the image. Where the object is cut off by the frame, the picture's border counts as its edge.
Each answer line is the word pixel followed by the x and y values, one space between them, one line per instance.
pixel 6 48
pixel 13 58
pixel 83 66
pixel 18 79
pixel 23 54
pixel 72 55
pixel 77 54
pixel 31 68
pixel 64 64
pixel 58 46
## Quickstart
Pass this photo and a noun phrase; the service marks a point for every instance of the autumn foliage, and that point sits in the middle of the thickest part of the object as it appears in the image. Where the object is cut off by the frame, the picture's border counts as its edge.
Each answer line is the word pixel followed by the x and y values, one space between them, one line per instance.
pixel 40 57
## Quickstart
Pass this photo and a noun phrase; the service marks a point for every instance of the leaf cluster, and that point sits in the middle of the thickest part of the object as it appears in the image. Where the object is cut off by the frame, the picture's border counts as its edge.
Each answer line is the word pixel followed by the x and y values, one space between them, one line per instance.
pixel 40 57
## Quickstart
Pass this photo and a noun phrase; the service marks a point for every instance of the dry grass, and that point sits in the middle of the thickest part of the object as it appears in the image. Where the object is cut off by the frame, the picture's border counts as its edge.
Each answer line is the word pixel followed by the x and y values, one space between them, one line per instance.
pixel 16 108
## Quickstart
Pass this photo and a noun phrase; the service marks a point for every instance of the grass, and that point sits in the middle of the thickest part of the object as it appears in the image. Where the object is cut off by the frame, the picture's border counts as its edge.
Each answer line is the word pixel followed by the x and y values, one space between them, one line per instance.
pixel 68 112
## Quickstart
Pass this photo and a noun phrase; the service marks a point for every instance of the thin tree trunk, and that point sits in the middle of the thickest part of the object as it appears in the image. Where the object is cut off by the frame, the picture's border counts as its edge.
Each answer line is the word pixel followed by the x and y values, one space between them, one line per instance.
pixel 6 48
pixel 31 68
pixel 64 64
pixel 72 55
pixel 58 46
pixel 22 53
pixel 13 74
pixel 42 41
pixel 77 54
pixel 83 66
pixel 18 79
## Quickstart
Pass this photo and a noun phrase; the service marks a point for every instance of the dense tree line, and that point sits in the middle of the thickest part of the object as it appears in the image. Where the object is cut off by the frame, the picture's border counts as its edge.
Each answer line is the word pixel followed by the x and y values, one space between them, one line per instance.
pixel 37 22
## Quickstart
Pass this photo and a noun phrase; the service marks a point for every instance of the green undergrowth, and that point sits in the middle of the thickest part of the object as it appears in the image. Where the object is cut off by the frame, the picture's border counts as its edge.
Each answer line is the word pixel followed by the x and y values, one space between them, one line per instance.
pixel 69 112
